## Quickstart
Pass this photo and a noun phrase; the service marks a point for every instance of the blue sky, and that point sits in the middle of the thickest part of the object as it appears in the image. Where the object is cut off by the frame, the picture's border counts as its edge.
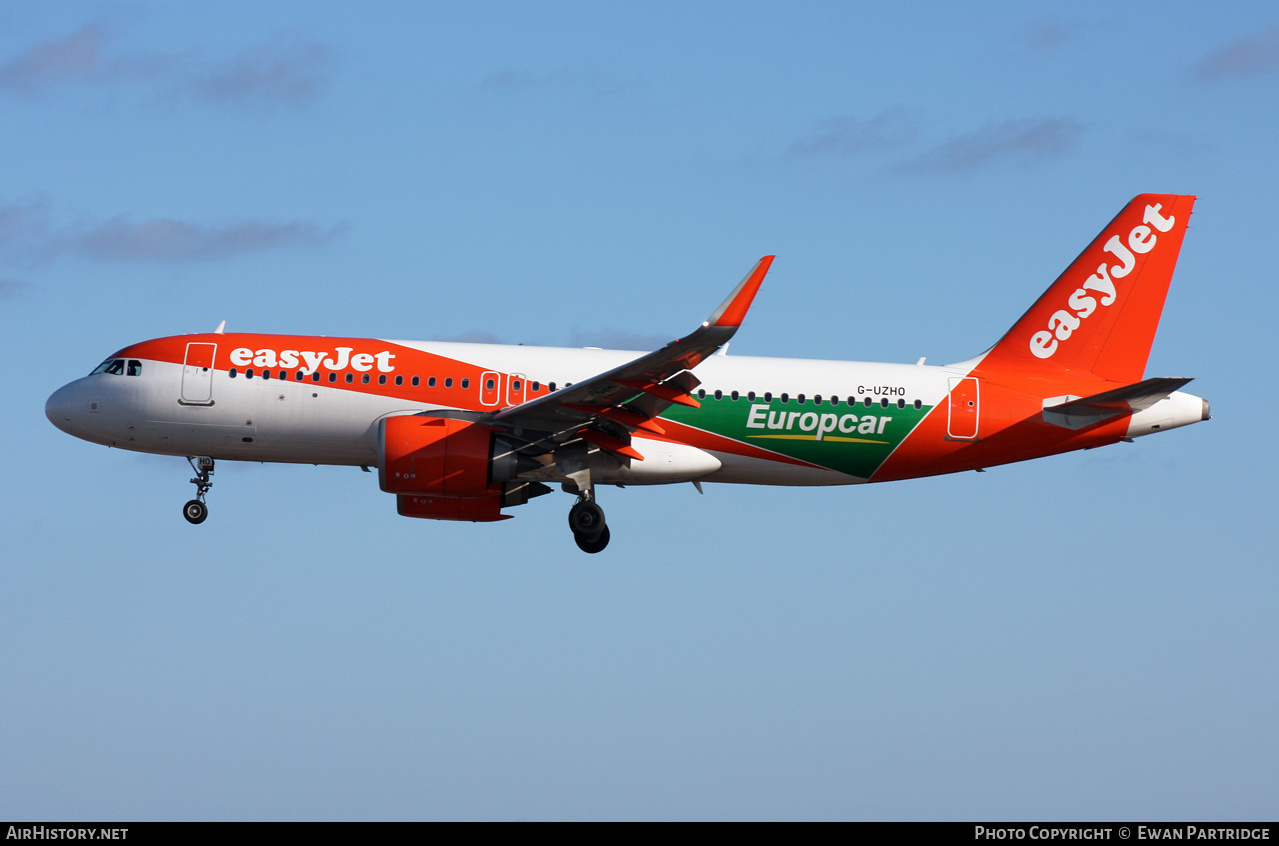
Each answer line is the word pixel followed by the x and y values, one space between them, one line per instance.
pixel 1088 636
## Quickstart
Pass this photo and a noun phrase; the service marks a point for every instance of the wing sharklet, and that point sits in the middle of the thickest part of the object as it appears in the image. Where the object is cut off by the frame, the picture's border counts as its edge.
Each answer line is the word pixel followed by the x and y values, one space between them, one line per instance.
pixel 733 310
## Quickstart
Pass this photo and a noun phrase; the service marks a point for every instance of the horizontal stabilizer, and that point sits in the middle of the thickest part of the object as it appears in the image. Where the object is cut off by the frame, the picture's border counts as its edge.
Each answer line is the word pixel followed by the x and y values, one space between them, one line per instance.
pixel 1076 413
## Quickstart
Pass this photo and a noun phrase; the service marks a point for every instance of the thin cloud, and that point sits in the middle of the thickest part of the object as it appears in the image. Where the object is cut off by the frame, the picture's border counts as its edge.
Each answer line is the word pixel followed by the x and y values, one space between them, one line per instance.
pixel 846 135
pixel 510 79
pixel 27 232
pixel 74 58
pixel 12 288
pixel 287 69
pixel 474 336
pixel 1252 55
pixel 23 224
pixel 616 340
pixel 1022 142
pixel 176 240
pixel 1050 34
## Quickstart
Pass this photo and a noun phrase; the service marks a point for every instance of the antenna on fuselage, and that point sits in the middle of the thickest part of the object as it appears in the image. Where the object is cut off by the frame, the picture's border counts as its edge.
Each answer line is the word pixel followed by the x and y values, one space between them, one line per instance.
pixel 221 326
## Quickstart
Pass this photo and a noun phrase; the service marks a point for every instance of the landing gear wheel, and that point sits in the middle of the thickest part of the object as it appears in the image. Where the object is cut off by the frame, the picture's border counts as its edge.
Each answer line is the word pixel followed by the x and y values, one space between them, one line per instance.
pixel 592 546
pixel 195 511
pixel 586 519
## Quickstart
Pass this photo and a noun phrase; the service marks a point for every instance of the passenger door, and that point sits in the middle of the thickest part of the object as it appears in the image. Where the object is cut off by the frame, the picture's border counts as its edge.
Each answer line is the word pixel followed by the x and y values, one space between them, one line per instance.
pixel 197 374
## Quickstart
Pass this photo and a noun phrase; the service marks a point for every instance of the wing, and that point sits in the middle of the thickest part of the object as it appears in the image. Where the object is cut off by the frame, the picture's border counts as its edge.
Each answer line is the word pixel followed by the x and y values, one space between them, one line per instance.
pixel 605 409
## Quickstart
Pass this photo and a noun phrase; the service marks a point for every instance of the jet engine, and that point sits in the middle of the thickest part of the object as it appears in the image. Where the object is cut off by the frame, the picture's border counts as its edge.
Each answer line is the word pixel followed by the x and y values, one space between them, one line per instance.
pixel 448 469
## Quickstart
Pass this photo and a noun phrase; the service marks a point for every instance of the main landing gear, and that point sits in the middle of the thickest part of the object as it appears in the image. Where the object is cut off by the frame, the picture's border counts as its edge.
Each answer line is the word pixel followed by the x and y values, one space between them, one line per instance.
pixel 586 519
pixel 196 511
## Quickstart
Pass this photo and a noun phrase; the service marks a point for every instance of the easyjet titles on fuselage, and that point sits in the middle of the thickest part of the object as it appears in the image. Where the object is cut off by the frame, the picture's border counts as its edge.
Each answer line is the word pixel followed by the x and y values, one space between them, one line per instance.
pixel 290 359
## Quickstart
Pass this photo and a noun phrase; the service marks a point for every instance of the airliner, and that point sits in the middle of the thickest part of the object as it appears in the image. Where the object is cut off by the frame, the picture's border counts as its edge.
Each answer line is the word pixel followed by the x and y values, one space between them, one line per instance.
pixel 462 431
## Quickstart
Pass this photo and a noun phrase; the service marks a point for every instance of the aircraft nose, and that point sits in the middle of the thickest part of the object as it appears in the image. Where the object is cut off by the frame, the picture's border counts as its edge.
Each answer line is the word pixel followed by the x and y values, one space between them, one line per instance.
pixel 61 405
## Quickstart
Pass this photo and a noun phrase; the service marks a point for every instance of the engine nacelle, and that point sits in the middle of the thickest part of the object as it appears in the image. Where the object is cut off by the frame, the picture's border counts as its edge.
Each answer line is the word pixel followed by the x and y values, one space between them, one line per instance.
pixel 438 456
pixel 484 509
pixel 446 469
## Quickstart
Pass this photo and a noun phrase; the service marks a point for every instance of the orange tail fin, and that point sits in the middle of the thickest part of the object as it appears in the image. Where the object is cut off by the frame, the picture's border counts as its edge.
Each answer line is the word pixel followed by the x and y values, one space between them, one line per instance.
pixel 1100 316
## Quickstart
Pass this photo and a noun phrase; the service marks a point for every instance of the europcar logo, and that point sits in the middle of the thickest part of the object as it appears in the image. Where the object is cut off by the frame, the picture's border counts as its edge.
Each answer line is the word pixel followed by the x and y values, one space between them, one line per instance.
pixel 1064 322
pixel 820 424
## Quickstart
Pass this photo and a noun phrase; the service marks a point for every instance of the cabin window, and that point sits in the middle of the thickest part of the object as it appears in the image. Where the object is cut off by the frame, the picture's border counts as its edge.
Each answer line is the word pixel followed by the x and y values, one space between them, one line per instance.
pixel 365 378
pixel 248 374
pixel 448 381
pixel 800 399
pixel 868 402
pixel 430 382
pixel 719 395
pixel 381 380
pixel 315 377
pixel 785 397
pixel 551 387
pixel 884 402
pixel 284 374
pixel 489 385
pixel 733 396
pixel 231 372
pixel 537 387
pixel 415 381
pixel 701 393
pixel 399 380
pixel 515 386
pixel 918 405
pixel 750 395
pixel 901 403
pixel 466 383
pixel 266 374
pixel 333 377
pixel 768 396
pixel 834 400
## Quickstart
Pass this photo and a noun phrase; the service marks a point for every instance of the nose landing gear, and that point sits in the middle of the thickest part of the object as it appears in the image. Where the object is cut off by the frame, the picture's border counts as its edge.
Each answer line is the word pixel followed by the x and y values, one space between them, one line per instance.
pixel 586 519
pixel 196 511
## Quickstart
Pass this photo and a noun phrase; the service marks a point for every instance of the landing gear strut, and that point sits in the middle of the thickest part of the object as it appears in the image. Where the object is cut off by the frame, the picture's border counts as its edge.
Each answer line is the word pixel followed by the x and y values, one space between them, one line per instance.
pixel 196 511
pixel 586 519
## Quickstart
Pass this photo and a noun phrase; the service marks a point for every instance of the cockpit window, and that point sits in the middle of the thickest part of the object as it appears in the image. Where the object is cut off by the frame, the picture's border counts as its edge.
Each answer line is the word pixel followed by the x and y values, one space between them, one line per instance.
pixel 117 367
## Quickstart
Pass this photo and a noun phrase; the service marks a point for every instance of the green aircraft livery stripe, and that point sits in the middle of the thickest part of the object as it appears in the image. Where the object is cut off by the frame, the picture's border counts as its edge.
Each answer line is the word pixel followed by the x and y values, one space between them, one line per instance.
pixel 854 440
